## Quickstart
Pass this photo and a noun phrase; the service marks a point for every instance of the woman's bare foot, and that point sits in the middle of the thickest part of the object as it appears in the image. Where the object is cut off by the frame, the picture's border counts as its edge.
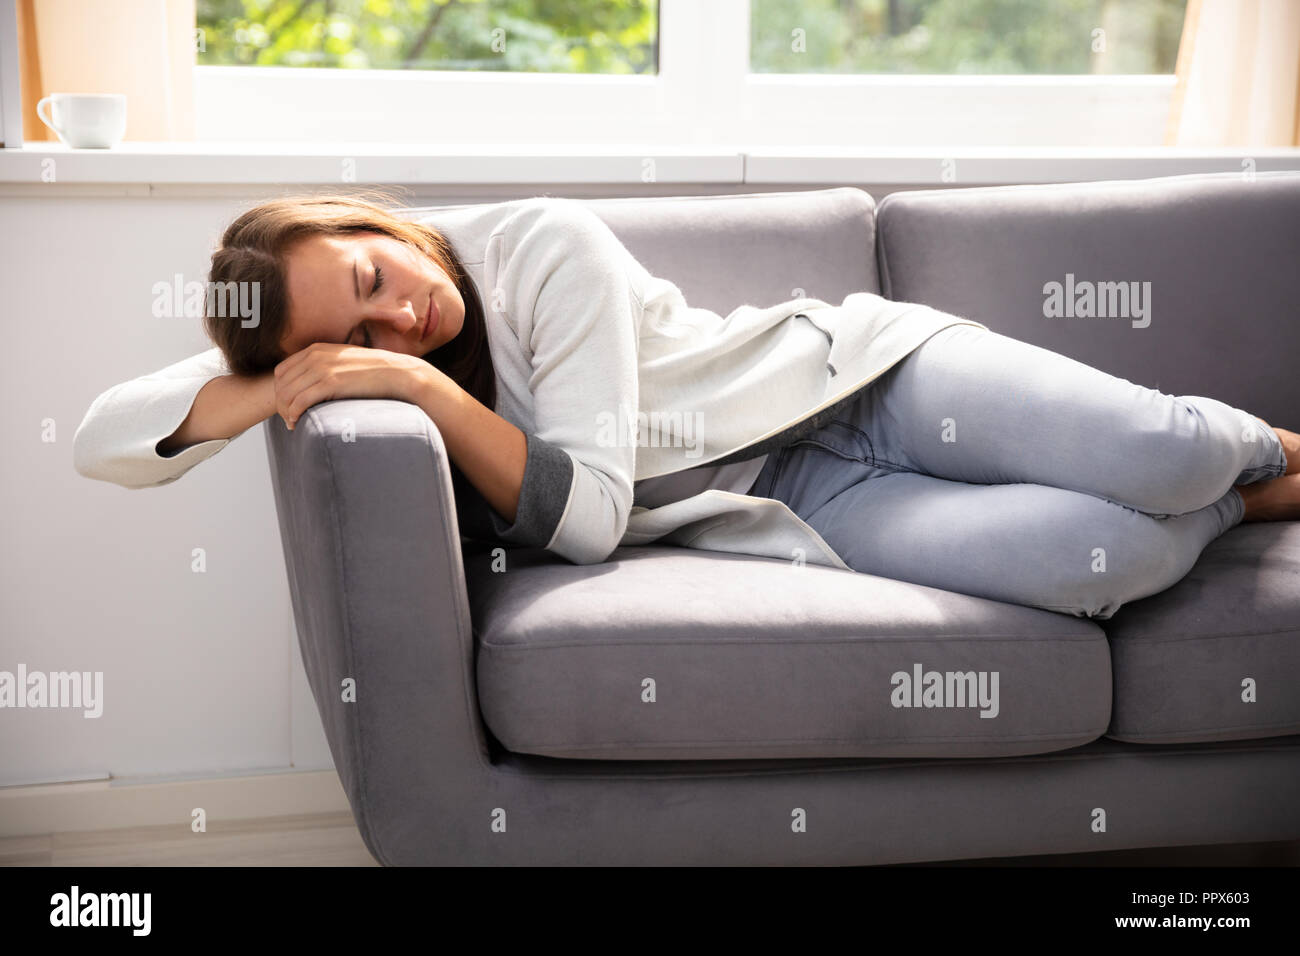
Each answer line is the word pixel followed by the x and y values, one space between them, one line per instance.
pixel 1277 499
pixel 1291 445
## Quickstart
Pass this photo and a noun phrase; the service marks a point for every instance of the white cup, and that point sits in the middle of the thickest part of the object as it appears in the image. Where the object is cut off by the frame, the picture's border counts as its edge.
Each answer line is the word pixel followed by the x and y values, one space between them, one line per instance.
pixel 86 120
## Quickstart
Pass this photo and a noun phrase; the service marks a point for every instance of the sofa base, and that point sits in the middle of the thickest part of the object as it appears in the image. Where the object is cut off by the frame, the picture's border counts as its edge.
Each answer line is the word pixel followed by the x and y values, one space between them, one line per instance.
pixel 1277 853
pixel 1105 795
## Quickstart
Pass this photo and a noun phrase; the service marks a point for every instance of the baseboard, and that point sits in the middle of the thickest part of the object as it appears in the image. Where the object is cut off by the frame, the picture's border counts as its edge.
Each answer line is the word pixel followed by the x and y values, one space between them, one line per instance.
pixel 112 804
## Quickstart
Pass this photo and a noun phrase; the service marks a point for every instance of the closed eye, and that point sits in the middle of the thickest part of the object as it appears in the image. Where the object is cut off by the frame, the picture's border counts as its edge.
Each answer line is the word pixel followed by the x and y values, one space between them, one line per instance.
pixel 365 329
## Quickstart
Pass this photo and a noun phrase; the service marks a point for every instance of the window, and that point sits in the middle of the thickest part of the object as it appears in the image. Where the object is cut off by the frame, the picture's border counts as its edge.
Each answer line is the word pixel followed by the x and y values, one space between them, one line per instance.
pixel 534 36
pixel 965 36
pixel 857 74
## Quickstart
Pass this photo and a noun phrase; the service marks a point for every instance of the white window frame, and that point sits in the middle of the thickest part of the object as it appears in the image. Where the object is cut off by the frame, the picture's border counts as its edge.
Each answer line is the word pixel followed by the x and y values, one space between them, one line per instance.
pixel 702 94
pixel 11 106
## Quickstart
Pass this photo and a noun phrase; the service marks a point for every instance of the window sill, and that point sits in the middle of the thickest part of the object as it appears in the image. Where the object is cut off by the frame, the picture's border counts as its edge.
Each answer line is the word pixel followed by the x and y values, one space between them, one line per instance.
pixel 225 163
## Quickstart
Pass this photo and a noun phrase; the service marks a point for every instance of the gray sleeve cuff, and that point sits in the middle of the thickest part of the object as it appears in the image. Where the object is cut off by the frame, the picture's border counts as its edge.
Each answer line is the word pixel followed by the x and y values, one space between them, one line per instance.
pixel 548 476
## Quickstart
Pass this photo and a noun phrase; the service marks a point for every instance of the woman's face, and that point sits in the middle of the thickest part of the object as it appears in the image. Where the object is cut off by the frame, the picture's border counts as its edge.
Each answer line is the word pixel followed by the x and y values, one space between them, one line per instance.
pixel 368 289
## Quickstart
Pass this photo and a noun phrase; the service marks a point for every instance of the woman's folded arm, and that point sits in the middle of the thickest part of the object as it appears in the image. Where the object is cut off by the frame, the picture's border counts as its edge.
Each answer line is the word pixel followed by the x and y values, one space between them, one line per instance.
pixel 152 429
pixel 226 406
pixel 565 285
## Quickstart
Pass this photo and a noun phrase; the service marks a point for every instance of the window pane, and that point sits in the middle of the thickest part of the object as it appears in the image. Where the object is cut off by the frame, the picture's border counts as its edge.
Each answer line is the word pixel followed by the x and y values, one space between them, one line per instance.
pixel 965 36
pixel 538 36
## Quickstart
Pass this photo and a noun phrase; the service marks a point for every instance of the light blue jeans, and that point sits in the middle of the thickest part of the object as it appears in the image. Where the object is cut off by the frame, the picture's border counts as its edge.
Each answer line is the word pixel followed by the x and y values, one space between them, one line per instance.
pixel 988 466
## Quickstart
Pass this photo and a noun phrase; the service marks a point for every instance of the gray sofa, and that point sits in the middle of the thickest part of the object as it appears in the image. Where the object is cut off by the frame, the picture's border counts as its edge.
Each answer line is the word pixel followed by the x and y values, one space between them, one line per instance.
pixel 499 716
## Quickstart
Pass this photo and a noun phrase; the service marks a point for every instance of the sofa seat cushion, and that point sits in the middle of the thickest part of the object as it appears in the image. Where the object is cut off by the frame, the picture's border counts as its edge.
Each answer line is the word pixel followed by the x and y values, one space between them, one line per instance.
pixel 1216 656
pixel 665 652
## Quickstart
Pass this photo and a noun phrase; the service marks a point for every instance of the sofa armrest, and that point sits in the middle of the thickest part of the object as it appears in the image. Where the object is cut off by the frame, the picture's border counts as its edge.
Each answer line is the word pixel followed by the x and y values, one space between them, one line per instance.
pixel 363 490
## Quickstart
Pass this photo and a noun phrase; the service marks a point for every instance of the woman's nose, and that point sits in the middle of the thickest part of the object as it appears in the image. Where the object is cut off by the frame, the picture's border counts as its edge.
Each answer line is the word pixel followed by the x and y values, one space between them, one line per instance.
pixel 402 316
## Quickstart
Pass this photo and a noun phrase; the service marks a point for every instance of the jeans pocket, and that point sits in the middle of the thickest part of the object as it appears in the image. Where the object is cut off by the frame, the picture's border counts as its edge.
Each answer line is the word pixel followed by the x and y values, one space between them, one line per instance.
pixel 841 438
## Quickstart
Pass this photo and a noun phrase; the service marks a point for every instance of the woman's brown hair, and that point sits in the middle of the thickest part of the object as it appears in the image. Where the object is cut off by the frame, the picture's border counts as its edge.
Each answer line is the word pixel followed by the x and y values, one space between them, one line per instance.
pixel 253 249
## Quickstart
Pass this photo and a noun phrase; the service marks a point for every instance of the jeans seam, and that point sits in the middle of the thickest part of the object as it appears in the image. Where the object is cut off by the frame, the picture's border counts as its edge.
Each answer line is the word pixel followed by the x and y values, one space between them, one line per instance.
pixel 871 446
pixel 777 471
pixel 873 461
pixel 872 458
pixel 830 448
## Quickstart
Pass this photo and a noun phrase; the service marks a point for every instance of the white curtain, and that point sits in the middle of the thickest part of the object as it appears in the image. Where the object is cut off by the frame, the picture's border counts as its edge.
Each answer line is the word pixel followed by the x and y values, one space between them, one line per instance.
pixel 1238 75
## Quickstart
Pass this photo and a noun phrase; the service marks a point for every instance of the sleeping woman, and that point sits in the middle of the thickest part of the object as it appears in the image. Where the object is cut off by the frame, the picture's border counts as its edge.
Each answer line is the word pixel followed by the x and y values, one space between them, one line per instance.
pixel 584 405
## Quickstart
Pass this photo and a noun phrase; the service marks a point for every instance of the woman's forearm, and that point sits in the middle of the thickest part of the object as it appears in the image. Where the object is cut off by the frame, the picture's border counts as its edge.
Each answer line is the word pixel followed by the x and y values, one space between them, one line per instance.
pixel 490 451
pixel 224 407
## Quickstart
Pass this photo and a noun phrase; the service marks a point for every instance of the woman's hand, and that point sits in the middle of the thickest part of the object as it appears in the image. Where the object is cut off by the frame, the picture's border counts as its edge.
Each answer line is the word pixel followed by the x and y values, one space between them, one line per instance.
pixel 491 451
pixel 326 370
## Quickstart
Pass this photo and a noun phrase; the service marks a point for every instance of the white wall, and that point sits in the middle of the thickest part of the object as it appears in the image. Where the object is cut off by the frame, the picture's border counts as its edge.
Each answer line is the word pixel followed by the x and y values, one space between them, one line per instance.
pixel 95 577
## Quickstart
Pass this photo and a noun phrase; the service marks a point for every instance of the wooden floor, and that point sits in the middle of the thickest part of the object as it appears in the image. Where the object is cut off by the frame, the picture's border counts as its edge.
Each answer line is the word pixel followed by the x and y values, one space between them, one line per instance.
pixel 332 839
pixel 323 839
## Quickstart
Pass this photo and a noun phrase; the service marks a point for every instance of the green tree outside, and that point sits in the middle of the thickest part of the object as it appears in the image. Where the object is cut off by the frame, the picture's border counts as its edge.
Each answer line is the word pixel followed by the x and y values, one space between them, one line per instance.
pixel 621 36
pixel 542 36
pixel 965 36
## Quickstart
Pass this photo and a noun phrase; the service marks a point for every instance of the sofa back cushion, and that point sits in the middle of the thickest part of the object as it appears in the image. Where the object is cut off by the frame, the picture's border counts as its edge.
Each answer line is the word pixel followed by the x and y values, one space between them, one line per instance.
pixel 750 248
pixel 1209 264
pixel 755 248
